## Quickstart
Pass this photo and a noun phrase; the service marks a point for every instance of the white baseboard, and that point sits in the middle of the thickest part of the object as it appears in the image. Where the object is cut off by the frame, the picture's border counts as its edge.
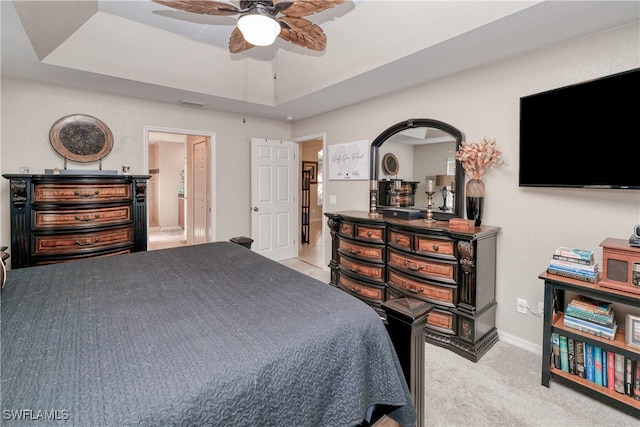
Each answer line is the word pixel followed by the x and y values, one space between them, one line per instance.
pixel 519 342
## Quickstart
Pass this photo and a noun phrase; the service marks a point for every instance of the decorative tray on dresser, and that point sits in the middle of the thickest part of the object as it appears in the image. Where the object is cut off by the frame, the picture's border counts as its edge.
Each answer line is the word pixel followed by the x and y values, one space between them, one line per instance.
pixel 382 259
pixel 57 218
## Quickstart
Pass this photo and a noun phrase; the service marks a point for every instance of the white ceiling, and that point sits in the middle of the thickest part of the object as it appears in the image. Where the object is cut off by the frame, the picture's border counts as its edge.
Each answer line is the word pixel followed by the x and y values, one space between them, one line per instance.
pixel 374 47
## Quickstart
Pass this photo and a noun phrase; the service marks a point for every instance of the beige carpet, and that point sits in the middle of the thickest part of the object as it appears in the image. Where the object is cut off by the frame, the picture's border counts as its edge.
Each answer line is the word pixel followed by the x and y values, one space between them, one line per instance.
pixel 504 389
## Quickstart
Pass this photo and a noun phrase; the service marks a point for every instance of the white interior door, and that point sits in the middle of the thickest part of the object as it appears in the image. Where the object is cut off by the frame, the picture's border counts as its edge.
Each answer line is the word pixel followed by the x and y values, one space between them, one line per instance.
pixel 274 186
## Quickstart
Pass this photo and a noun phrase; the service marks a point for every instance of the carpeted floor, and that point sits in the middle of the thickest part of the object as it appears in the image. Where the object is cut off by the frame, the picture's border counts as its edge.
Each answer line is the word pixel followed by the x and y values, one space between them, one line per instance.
pixel 504 389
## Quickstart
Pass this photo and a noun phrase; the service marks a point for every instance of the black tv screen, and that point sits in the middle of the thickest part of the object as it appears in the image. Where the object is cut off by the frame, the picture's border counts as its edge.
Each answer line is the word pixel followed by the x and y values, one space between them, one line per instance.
pixel 585 135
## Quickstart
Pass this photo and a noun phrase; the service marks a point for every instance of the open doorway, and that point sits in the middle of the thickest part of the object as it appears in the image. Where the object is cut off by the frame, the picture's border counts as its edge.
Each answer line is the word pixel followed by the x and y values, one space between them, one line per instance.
pixel 180 188
pixel 311 200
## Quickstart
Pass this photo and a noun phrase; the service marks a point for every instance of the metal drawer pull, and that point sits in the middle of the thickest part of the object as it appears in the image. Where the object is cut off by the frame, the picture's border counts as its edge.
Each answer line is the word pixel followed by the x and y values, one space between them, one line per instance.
pixel 368 234
pixel 354 251
pixel 436 247
pixel 79 243
pixel 87 218
pixel 412 290
pixel 410 267
pixel 95 193
pixel 355 270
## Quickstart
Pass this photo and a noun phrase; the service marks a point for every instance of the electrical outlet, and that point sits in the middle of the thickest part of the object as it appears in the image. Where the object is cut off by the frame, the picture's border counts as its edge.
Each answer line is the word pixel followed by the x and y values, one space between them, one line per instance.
pixel 522 306
pixel 540 308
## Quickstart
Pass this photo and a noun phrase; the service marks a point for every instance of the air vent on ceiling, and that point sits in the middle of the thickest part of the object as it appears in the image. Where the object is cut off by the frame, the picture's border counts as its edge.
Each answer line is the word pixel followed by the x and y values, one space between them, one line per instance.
pixel 192 102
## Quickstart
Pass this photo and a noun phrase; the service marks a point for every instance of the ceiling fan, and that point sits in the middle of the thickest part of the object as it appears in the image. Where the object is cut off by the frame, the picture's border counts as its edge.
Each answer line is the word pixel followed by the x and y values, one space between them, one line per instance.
pixel 277 18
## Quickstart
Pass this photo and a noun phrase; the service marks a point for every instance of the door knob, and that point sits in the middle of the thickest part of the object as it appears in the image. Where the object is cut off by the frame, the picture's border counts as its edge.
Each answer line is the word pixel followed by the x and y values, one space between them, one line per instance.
pixel 255 209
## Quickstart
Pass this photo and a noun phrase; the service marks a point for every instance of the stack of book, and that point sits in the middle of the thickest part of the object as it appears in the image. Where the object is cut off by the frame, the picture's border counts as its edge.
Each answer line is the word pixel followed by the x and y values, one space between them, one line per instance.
pixel 574 263
pixel 591 316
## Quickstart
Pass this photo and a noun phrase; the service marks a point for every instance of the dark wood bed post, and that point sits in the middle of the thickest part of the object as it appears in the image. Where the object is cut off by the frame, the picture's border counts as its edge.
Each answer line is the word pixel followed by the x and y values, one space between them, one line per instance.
pixel 406 322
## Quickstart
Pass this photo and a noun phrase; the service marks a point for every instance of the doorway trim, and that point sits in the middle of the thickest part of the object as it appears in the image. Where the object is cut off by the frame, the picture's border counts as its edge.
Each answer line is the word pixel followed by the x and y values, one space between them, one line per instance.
pixel 211 165
pixel 325 229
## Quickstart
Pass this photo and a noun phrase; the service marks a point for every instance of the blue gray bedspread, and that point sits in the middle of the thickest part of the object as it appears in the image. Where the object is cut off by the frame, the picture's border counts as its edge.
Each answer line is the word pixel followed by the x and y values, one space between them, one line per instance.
pixel 211 334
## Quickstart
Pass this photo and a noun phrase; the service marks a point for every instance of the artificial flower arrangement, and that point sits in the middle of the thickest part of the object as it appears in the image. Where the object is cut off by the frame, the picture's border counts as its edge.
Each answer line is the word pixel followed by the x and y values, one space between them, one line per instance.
pixel 478 157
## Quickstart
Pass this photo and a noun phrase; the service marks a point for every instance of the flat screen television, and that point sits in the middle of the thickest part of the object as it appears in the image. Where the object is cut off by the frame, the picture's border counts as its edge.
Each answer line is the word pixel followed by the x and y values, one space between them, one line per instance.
pixel 586 135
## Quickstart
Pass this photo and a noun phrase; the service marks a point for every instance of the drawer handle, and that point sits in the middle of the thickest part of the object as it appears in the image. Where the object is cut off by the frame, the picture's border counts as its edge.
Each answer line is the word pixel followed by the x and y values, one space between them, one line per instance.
pixel 87 218
pixel 354 251
pixel 355 270
pixel 87 195
pixel 368 234
pixel 87 243
pixel 412 290
pixel 436 247
pixel 411 267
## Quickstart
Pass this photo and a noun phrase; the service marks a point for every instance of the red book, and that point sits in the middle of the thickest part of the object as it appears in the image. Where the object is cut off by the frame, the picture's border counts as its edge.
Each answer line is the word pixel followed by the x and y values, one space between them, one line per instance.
pixel 611 369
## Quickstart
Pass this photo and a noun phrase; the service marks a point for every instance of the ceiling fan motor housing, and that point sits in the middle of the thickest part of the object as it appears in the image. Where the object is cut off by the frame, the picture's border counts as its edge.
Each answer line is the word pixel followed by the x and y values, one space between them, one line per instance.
pixel 260 6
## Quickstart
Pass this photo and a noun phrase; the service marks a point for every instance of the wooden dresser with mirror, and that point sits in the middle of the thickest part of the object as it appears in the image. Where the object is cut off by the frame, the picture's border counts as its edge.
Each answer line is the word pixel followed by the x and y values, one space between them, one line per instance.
pixel 379 258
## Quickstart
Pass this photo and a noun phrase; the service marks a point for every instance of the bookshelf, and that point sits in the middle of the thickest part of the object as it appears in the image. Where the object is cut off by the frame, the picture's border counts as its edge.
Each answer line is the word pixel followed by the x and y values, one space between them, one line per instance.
pixel 554 305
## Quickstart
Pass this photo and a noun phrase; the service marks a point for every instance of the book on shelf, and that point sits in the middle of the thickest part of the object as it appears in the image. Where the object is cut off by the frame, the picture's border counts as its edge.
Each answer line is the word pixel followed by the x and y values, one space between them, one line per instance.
pixel 555 350
pixel 573 275
pixel 605 374
pixel 629 376
pixel 598 319
pixel 564 354
pixel 589 366
pixel 593 305
pixel 611 370
pixel 580 360
pixel 575 253
pixel 580 261
pixel 573 266
pixel 599 331
pixel 571 349
pixel 597 365
pixel 636 388
pixel 619 373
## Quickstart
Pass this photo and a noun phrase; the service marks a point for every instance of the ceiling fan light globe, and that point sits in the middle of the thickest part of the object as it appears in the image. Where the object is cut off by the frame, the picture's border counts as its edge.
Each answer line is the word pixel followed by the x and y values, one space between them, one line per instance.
pixel 259 30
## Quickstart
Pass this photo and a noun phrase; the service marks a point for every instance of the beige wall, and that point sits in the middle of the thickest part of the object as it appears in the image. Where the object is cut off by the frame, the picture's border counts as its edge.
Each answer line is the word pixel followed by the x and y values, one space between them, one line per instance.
pixel 485 101
pixel 172 161
pixel 29 110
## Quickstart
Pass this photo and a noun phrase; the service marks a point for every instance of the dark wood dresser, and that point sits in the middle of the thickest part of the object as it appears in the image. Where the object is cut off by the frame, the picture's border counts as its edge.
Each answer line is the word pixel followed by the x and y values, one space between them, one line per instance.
pixel 381 259
pixel 57 218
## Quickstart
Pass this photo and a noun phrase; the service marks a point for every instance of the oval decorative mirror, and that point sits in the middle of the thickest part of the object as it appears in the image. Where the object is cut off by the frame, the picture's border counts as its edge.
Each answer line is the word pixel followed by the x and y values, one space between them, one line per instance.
pixel 81 138
pixel 425 148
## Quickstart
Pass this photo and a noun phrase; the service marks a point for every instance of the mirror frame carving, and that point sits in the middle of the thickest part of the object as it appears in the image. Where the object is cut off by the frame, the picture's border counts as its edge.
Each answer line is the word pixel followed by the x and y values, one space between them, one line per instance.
pixel 374 165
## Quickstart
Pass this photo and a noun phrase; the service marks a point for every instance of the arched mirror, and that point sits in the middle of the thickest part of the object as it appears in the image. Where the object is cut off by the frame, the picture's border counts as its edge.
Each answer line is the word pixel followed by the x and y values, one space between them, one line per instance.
pixel 409 152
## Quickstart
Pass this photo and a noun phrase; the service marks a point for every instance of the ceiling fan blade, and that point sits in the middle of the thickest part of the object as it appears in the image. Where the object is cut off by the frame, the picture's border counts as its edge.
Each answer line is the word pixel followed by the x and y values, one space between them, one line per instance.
pixel 237 43
pixel 299 8
pixel 203 7
pixel 303 33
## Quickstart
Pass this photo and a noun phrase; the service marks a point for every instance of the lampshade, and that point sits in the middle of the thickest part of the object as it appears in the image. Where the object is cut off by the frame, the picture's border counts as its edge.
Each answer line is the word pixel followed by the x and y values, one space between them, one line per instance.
pixel 259 29
pixel 444 180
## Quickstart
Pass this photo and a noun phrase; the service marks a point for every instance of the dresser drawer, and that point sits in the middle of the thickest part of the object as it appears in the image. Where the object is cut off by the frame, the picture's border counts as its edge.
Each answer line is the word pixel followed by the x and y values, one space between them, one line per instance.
pixel 424 267
pixel 444 295
pixel 438 247
pixel 82 242
pixel 373 272
pixel 368 292
pixel 56 260
pixel 441 321
pixel 46 219
pixel 400 239
pixel 369 233
pixel 75 193
pixel 361 251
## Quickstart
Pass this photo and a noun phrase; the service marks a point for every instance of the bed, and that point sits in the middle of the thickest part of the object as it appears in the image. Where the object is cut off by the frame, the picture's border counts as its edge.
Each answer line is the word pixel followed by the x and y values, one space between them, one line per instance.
pixel 211 334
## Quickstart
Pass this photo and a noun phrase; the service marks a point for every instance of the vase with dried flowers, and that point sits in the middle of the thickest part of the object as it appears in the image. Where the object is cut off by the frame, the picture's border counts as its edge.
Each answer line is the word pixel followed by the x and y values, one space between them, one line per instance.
pixel 476 159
